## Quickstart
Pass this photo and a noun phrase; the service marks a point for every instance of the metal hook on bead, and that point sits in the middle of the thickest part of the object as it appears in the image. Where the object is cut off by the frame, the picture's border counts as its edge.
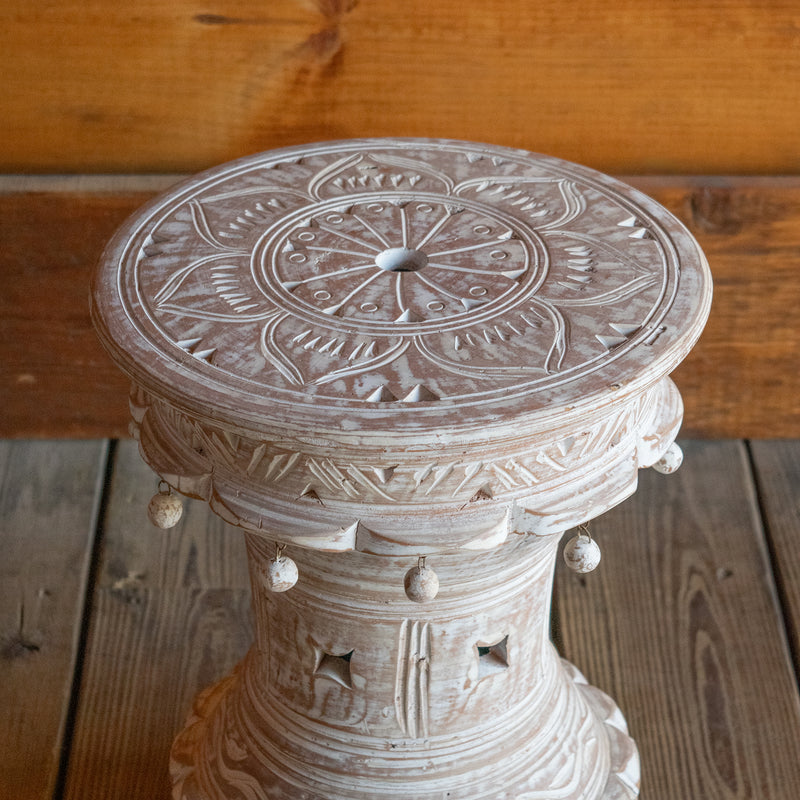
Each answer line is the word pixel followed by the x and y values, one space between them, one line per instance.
pixel 165 508
pixel 281 573
pixel 421 582
pixel 583 530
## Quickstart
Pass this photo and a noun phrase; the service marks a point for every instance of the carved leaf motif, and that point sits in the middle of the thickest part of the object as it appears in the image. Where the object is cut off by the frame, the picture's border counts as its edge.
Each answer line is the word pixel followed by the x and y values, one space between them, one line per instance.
pixel 623 292
pixel 538 198
pixel 394 352
pixel 558 348
pixel 175 281
pixel 480 370
pixel 215 287
pixel 574 204
pixel 273 352
pixel 376 171
pixel 552 344
pixel 200 221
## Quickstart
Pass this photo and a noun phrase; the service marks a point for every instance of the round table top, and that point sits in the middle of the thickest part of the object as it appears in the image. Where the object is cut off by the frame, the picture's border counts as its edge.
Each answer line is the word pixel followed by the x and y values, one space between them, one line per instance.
pixel 399 286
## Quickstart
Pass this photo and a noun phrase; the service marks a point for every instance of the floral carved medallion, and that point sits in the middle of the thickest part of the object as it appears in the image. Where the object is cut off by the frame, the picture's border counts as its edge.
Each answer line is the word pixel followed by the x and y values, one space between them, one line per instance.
pixel 372 273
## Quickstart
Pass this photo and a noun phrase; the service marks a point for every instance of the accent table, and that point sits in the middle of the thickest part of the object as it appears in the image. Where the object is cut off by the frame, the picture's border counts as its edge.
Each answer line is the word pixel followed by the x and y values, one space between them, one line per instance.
pixel 404 367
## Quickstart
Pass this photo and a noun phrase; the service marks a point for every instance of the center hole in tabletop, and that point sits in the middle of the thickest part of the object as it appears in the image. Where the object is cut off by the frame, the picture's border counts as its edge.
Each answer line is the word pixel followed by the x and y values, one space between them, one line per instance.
pixel 401 259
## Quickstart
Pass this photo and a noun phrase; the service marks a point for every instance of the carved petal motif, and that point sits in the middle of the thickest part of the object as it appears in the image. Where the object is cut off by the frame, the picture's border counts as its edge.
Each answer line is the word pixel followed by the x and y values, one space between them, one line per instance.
pixel 384 275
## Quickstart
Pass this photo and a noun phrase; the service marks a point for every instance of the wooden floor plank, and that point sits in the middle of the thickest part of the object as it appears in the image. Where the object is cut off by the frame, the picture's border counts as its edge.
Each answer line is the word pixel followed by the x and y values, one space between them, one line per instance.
pixel 680 625
pixel 49 498
pixel 170 615
pixel 777 466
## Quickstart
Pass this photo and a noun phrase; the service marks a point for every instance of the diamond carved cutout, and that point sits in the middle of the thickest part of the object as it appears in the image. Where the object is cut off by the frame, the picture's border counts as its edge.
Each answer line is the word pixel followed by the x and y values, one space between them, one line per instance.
pixel 492 658
pixel 335 668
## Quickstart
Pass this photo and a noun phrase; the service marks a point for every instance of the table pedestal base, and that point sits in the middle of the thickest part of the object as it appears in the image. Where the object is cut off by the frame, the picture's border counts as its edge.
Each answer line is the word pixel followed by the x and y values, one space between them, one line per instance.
pixel 587 755
pixel 352 692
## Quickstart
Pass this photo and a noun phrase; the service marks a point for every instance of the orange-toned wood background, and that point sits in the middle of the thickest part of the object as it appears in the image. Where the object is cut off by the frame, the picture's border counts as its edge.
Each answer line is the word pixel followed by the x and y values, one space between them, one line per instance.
pixel 626 86
pixel 670 92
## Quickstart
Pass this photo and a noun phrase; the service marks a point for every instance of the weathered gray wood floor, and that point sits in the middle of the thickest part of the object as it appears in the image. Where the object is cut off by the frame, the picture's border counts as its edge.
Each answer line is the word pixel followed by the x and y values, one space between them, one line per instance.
pixel 108 627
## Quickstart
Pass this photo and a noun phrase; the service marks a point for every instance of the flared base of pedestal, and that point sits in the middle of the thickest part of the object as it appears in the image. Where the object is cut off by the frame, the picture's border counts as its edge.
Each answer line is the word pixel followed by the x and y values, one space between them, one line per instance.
pixel 571 744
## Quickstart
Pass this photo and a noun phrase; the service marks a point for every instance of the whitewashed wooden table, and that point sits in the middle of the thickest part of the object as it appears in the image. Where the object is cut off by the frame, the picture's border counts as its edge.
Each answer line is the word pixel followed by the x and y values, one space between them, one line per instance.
pixel 405 367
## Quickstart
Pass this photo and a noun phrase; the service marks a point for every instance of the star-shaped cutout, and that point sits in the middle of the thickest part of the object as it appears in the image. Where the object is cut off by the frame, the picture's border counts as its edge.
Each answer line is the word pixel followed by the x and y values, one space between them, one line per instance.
pixel 492 658
pixel 335 667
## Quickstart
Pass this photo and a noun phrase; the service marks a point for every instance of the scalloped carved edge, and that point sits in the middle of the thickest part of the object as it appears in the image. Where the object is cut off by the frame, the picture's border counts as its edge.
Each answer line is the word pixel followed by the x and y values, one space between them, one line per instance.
pixel 622 784
pixel 625 776
pixel 321 500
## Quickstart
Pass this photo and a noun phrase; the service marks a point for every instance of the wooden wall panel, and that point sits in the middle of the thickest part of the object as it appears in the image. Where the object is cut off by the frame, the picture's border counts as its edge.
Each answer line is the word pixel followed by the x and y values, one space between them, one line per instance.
pixel 631 86
pixel 742 379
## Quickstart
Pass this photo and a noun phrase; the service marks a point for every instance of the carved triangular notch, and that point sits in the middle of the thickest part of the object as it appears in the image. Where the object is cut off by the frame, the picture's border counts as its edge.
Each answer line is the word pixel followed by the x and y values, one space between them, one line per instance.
pixel 610 342
pixel 409 316
pixel 625 328
pixel 469 303
pixel 309 493
pixel 565 445
pixel 420 394
pixel 191 346
pixel 381 395
pixel 484 493
pixel 384 474
pixel 514 274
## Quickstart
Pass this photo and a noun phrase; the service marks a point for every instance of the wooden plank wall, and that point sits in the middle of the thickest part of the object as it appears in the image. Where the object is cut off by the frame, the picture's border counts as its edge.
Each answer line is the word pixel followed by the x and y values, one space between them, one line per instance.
pixel 686 623
pixel 631 86
pixel 742 379
pixel 670 93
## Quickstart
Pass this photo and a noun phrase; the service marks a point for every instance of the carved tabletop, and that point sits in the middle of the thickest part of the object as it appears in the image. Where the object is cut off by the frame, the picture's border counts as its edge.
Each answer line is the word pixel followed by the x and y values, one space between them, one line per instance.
pixel 401 348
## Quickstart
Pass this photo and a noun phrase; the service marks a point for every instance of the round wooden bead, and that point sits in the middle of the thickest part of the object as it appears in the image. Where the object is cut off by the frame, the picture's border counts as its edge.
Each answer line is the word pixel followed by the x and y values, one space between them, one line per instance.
pixel 421 584
pixel 670 461
pixel 281 574
pixel 165 510
pixel 582 554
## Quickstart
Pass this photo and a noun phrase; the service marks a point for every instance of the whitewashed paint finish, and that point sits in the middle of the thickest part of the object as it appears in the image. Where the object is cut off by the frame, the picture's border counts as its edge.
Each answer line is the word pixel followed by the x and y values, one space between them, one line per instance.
pixel 374 350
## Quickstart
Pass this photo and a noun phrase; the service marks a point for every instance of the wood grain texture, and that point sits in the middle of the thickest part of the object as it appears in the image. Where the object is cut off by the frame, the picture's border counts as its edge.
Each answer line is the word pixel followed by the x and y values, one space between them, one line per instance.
pixel 777 469
pixel 49 498
pixel 53 369
pixel 55 380
pixel 169 616
pixel 680 624
pixel 742 378
pixel 631 86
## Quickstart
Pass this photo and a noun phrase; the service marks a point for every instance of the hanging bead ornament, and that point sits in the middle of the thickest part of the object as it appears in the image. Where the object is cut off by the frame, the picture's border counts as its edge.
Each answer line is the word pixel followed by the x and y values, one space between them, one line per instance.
pixel 281 573
pixel 582 553
pixel 670 461
pixel 421 583
pixel 165 509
